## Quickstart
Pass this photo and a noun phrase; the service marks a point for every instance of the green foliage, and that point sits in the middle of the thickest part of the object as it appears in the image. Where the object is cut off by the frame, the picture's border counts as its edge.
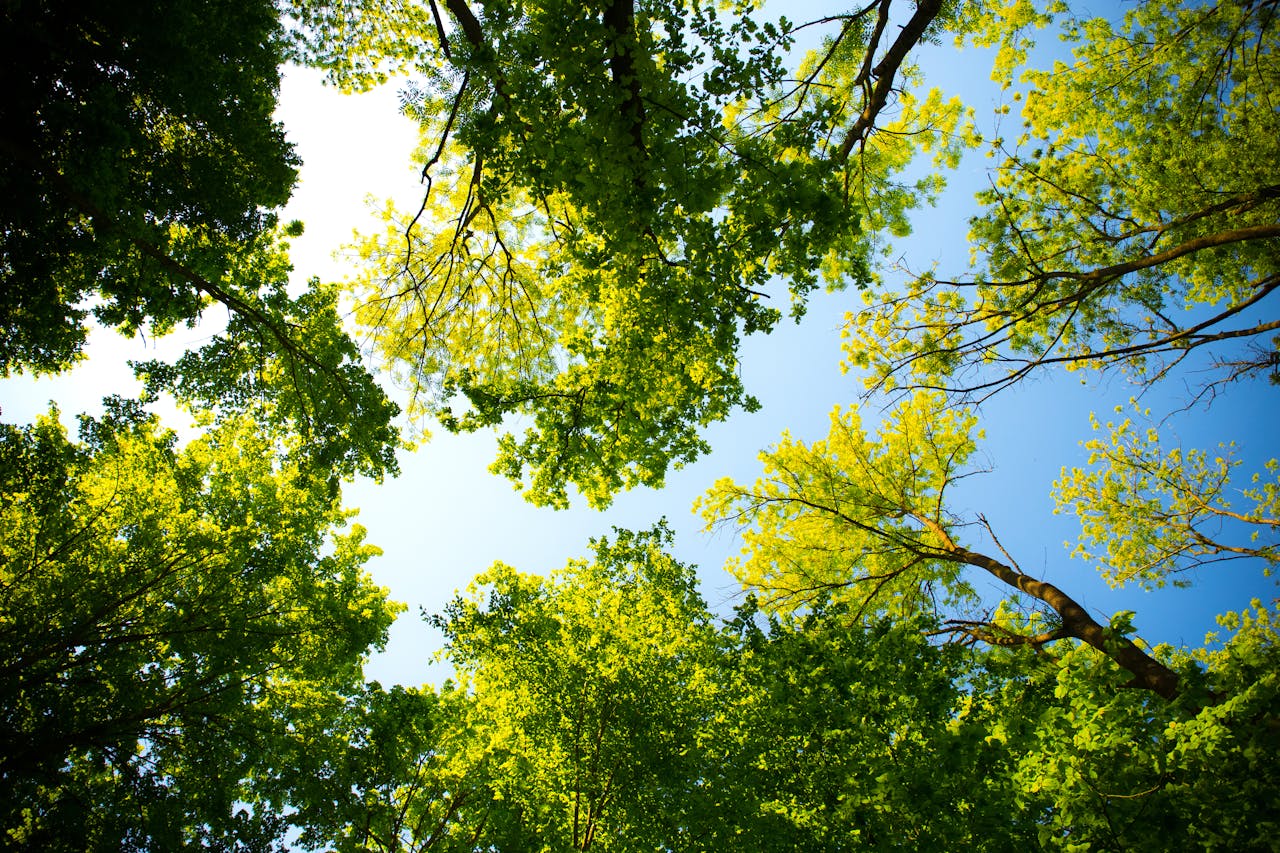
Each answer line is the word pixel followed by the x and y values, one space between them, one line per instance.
pixel 145 164
pixel 358 44
pixel 611 195
pixel 153 597
pixel 289 361
pixel 1132 220
pixel 599 708
pixel 574 726
pixel 373 769
pixel 1100 768
pixel 589 690
pixel 1155 513
pixel 613 191
pixel 833 735
pixel 141 150
pixel 863 520
pixel 857 517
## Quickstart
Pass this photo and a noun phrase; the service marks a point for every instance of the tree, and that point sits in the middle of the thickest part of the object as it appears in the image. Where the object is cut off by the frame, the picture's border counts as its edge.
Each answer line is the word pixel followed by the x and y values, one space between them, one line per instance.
pixel 865 519
pixel 573 725
pixel 142 151
pixel 1091 734
pixel 1100 768
pixel 601 708
pixel 153 599
pixel 144 171
pixel 1131 223
pixel 837 734
pixel 590 688
pixel 611 191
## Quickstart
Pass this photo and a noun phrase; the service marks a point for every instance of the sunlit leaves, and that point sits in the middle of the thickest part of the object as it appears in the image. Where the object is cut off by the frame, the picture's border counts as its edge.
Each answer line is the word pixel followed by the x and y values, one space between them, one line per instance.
pixel 288 360
pixel 358 44
pixel 1131 222
pixel 151 597
pixel 589 687
pixel 612 196
pixel 1148 512
pixel 859 517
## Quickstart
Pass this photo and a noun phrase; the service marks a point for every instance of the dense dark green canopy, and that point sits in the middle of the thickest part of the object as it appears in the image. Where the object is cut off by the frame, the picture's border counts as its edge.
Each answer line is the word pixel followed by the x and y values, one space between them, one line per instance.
pixel 140 149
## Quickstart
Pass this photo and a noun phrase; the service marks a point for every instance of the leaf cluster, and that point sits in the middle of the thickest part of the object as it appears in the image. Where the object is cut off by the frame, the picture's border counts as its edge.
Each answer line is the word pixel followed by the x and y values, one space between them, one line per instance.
pixel 153 597
pixel 1131 221
pixel 611 194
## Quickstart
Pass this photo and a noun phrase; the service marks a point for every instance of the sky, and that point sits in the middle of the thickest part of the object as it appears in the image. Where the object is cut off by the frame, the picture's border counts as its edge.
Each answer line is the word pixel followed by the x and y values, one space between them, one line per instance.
pixel 446 518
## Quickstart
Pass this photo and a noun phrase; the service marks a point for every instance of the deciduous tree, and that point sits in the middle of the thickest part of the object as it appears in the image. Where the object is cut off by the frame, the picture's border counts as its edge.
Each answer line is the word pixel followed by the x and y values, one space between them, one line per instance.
pixel 144 173
pixel 1131 221
pixel 590 689
pixel 1071 745
pixel 142 151
pixel 612 192
pixel 865 518
pixel 153 597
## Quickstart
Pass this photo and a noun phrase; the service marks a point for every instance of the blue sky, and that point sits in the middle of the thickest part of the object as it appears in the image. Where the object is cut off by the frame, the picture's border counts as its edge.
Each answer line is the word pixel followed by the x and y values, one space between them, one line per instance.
pixel 446 518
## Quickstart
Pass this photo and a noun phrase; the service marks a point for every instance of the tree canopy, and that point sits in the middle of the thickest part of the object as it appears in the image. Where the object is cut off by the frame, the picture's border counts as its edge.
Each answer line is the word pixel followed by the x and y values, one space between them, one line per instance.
pixel 141 152
pixel 153 598
pixel 866 518
pixel 602 707
pixel 615 195
pixel 601 225
pixel 1131 220
pixel 145 174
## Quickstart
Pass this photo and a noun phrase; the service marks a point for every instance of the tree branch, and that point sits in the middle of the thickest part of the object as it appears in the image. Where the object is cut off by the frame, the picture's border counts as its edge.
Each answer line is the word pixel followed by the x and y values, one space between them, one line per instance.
pixel 1147 672
pixel 926 11
pixel 620 18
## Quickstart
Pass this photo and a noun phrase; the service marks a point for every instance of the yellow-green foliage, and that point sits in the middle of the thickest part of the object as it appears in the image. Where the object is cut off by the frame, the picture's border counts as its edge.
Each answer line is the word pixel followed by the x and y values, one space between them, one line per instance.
pixel 1131 218
pixel 853 516
pixel 150 598
pixel 1148 512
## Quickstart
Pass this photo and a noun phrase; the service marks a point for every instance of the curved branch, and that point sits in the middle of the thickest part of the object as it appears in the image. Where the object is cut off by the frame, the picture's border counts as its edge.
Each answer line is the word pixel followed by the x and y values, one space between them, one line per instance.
pixel 1148 673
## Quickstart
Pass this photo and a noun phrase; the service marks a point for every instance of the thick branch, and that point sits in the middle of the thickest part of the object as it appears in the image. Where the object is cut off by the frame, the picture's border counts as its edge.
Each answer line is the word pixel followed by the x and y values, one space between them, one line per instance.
pixel 1076 621
pixel 620 18
pixel 1147 672
pixel 1096 278
pixel 467 21
pixel 926 11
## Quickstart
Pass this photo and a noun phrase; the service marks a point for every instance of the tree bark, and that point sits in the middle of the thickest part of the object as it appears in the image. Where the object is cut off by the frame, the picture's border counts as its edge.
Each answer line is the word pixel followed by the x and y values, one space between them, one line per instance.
pixel 912 32
pixel 620 17
pixel 1148 673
